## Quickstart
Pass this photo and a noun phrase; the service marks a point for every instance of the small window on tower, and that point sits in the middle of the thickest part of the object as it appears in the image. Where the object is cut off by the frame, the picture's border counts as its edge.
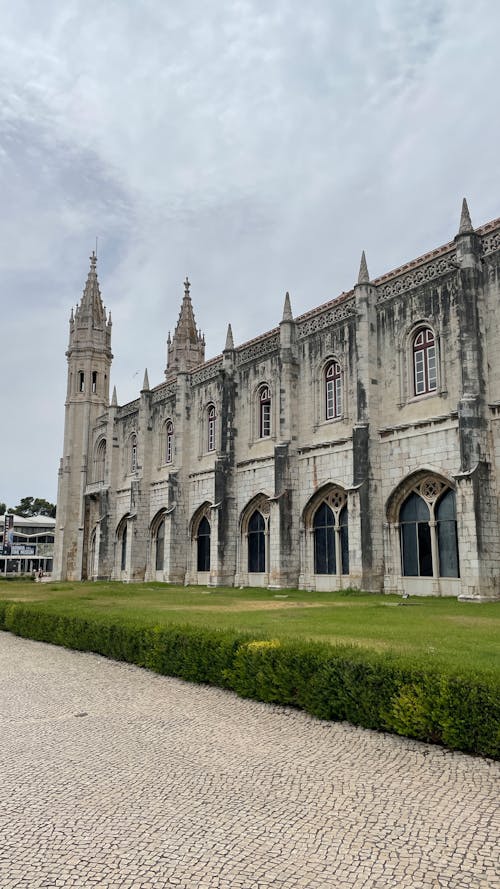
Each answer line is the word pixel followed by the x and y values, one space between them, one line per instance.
pixel 94 381
pixel 81 381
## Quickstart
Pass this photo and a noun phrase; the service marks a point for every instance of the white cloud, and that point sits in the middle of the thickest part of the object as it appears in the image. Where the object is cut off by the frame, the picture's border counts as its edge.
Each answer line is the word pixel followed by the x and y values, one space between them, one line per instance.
pixel 257 147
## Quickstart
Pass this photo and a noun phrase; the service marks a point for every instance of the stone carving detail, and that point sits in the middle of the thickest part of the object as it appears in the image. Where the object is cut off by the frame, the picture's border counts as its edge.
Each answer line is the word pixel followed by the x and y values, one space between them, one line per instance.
pixel 491 243
pixel 163 392
pixel 127 409
pixel 206 373
pixel 257 350
pixel 430 489
pixel 325 319
pixel 415 277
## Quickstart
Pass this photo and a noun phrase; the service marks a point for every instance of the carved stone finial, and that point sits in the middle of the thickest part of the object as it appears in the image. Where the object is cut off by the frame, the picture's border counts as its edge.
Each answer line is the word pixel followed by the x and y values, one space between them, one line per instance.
pixel 145 384
pixel 363 277
pixel 465 227
pixel 114 400
pixel 187 285
pixel 287 309
pixel 93 261
pixel 229 339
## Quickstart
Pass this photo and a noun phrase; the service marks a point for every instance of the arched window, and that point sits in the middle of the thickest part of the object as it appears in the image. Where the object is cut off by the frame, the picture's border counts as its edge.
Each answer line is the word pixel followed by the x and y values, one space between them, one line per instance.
pixel 264 412
pixel 94 382
pixel 100 461
pixel 160 546
pixel 133 452
pixel 331 535
pixel 81 381
pixel 256 543
pixel 333 390
pixel 211 421
pixel 169 441
pixel 203 545
pixel 123 559
pixel 428 526
pixel 424 361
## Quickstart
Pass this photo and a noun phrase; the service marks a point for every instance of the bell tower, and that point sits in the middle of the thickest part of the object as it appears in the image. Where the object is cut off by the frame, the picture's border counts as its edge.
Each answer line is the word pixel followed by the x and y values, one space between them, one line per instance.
pixel 87 397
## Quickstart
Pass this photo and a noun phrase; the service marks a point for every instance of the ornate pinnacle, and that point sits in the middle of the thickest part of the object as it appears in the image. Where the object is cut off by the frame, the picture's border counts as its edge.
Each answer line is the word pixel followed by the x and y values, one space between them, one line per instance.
pixel 287 309
pixel 229 340
pixel 363 277
pixel 187 285
pixel 465 220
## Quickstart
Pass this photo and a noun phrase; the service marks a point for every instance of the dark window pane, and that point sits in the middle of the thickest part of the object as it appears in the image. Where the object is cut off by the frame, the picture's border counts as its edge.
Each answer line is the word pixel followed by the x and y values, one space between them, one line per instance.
pixel 256 543
pixel 448 549
pixel 344 545
pixel 414 509
pixel 160 546
pixel 124 549
pixel 204 545
pixel 409 549
pixel 446 507
pixel 323 516
pixel 324 551
pixel 424 550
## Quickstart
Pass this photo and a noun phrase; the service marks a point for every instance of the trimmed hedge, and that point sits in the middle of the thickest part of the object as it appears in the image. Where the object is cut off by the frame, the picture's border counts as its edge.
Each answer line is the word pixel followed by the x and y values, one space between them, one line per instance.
pixel 377 691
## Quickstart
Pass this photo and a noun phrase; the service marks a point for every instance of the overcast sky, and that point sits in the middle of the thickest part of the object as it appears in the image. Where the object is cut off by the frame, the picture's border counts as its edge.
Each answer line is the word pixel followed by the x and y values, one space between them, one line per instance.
pixel 256 146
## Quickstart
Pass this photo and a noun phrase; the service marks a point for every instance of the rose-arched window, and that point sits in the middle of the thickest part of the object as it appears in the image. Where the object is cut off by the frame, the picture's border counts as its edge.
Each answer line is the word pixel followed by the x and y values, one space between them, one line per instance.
pixel 169 441
pixel 264 412
pixel 428 532
pixel 424 361
pixel 211 425
pixel 333 390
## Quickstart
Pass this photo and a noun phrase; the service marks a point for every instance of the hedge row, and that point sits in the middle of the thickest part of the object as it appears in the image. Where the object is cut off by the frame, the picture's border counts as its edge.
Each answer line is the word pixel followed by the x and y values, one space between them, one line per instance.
pixel 376 691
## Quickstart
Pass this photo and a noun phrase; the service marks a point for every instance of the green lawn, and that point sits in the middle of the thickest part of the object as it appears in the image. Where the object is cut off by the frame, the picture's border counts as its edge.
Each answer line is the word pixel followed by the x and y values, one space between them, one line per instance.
pixel 462 636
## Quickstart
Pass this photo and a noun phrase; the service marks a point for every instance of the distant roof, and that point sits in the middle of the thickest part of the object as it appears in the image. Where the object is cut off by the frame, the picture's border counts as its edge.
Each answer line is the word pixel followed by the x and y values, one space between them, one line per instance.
pixel 31 520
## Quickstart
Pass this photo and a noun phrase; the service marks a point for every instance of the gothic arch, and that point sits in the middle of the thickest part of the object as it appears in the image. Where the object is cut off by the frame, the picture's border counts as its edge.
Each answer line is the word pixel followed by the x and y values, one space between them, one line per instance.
pixel 325 523
pixel 412 482
pixel 200 528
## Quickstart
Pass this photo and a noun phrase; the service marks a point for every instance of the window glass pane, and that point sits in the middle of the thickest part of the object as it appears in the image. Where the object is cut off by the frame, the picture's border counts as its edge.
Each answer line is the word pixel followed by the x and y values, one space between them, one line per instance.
pixel 256 522
pixel 448 549
pixel 446 507
pixel 323 516
pixel 324 551
pixel 203 545
pixel 414 509
pixel 409 550
pixel 419 373
pixel 424 549
pixel 160 546
pixel 431 366
pixel 124 549
pixel 344 540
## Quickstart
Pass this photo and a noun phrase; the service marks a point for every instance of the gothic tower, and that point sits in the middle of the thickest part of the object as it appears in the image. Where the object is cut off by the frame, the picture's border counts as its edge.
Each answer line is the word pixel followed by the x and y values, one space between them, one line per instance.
pixel 186 349
pixel 89 361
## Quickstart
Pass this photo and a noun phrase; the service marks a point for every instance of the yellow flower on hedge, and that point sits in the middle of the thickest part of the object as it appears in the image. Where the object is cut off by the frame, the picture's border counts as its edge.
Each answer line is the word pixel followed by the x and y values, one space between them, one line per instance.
pixel 262 644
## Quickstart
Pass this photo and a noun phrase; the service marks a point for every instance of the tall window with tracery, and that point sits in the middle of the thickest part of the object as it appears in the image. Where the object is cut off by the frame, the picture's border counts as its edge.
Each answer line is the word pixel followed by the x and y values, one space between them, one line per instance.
pixel 333 390
pixel 424 362
pixel 428 532
pixel 264 412
pixel 256 543
pixel 133 453
pixel 169 441
pixel 211 422
pixel 331 535
pixel 203 545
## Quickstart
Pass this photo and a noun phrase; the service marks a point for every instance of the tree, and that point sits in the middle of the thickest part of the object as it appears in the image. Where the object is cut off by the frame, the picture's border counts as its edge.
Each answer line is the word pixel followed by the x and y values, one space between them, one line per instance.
pixel 3 508
pixel 31 506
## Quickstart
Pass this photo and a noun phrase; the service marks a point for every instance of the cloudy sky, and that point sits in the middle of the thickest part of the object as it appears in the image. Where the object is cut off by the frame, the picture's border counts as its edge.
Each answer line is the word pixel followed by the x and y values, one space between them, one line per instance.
pixel 256 146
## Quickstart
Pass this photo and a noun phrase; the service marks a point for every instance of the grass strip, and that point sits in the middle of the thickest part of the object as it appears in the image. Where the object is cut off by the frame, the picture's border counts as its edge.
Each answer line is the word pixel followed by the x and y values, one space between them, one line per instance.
pixel 336 682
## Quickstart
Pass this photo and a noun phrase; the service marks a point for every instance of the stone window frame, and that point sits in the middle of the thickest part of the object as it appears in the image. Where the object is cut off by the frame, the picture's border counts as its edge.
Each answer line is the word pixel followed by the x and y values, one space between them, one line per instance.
pixel 431 486
pixel 260 503
pixel 408 394
pixel 99 461
pixel 256 412
pixel 337 498
pixel 167 442
pixel 156 522
pixel 204 511
pixel 132 454
pixel 211 428
pixel 321 389
pixel 122 545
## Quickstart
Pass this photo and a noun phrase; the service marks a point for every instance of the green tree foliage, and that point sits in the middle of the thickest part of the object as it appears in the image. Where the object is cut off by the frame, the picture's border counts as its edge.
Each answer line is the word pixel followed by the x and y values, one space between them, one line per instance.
pixel 3 508
pixel 31 506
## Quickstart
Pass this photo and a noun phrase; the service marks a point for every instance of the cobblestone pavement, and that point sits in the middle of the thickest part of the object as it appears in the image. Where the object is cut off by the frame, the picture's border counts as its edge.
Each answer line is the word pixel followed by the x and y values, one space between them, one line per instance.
pixel 115 777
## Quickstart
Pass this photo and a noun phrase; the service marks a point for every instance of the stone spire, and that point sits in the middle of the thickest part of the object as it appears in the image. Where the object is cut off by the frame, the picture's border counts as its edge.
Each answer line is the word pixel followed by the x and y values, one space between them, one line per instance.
pixel 287 309
pixel 363 277
pixel 186 350
pixel 229 340
pixel 465 227
pixel 145 384
pixel 114 400
pixel 91 309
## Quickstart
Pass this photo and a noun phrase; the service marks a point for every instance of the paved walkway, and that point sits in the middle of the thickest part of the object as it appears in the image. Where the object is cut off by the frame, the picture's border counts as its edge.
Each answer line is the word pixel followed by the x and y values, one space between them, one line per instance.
pixel 114 777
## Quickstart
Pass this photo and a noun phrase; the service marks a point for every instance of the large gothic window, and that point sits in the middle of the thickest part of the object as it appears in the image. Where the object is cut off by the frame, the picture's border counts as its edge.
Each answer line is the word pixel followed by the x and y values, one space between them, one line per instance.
pixel 424 362
pixel 203 545
pixel 333 390
pixel 256 543
pixel 331 535
pixel 428 532
pixel 169 441
pixel 160 546
pixel 133 453
pixel 123 543
pixel 264 412
pixel 100 461
pixel 211 421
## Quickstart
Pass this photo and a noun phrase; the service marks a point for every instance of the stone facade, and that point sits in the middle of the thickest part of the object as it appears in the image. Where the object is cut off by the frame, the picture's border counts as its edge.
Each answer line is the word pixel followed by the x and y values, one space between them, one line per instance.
pixel 357 445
